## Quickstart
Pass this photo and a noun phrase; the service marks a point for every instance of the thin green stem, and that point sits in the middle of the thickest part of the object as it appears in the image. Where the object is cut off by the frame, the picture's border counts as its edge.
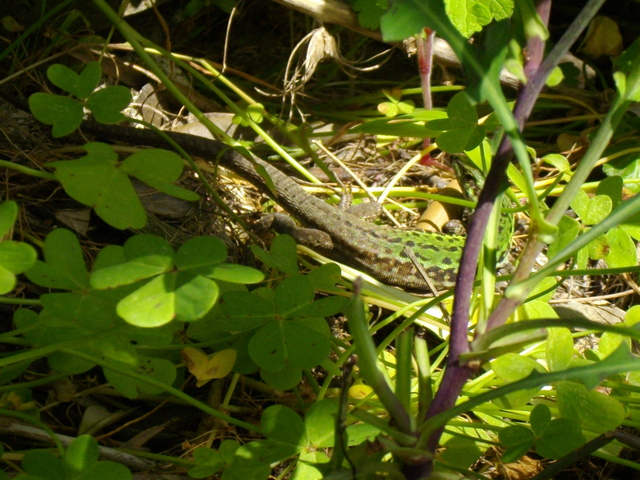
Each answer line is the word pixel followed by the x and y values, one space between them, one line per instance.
pixel 26 170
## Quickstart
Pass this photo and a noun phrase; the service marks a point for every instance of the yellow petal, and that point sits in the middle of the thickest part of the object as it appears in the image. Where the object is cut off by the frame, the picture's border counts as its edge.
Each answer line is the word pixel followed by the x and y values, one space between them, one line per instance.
pixel 206 368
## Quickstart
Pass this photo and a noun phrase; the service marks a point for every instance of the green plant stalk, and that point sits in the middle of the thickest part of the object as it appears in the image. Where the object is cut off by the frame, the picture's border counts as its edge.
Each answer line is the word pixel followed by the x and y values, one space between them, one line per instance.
pixel 383 426
pixel 423 373
pixel 485 341
pixel 21 301
pixel 600 370
pixel 403 366
pixel 343 356
pixel 167 388
pixel 40 352
pixel 181 462
pixel 368 362
pixel 16 387
pixel 616 459
pixel 30 419
pixel 403 311
pixel 26 170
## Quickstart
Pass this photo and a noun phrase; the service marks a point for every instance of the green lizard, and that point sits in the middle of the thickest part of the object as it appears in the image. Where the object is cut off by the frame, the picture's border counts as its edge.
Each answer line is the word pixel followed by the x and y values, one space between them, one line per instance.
pixel 376 250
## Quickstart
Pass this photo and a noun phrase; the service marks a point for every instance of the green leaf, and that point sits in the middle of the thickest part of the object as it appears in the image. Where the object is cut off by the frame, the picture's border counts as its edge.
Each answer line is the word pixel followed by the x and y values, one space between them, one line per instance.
pixel 106 470
pixel 147 255
pixel 79 85
pixel 8 215
pixel 43 465
pixel 470 16
pixel 283 255
pixel 200 255
pixel 621 249
pixel 15 258
pixel 308 468
pixel 369 12
pixel 568 229
pixel 94 180
pixel 518 440
pixel 412 125
pixel 149 306
pixel 540 419
pixel 243 311
pixel 69 364
pixel 230 272
pixel 178 295
pixel 405 19
pixel 611 187
pixel 107 104
pixel 461 131
pixel 288 343
pixel 10 372
pixel 625 165
pixel 627 78
pixel 325 277
pixel 81 453
pixel 282 424
pixel 94 310
pixel 283 379
pixel 64 264
pixel 320 423
pixel 158 369
pixel 580 203
pixel 159 169
pixel 555 78
pixel 292 294
pixel 323 307
pixel 560 351
pixel 597 209
pixel 529 21
pixel 558 161
pixel 510 368
pixel 109 256
pixel 62 113
pixel 207 461
pixel 593 410
pixel 560 438
pixel 267 451
pixel 460 451
pixel 245 467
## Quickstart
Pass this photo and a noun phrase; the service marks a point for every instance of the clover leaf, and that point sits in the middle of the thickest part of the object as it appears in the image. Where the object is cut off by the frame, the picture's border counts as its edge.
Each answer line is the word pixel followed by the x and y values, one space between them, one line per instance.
pixel 460 131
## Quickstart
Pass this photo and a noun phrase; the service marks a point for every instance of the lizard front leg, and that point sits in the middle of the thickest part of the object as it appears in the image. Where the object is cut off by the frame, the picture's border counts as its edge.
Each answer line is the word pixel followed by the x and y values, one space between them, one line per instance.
pixel 312 238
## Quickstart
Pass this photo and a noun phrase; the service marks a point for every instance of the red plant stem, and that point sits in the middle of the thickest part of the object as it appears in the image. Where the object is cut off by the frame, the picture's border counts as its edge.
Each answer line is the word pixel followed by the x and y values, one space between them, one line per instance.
pixel 424 43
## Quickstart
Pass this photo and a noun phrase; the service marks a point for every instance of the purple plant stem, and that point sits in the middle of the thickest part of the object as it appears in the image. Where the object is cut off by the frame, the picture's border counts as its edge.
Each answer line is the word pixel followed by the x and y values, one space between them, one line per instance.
pixel 456 374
